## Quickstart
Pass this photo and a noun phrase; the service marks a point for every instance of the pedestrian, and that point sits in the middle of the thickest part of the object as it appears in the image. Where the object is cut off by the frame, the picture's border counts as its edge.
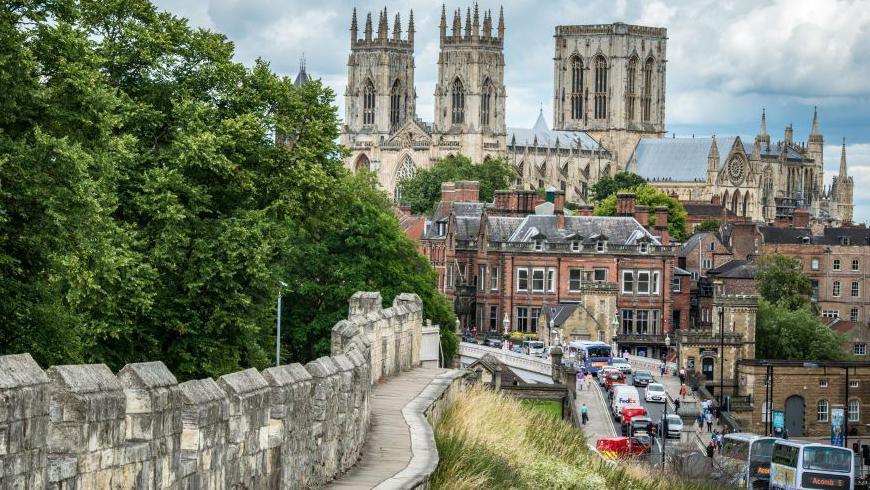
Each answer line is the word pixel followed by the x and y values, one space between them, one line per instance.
pixel 714 440
pixel 662 368
pixel 717 413
pixel 588 381
pixel 710 450
pixel 683 391
pixel 700 421
pixel 720 439
pixel 682 376
pixel 677 405
pixel 584 413
pixel 709 418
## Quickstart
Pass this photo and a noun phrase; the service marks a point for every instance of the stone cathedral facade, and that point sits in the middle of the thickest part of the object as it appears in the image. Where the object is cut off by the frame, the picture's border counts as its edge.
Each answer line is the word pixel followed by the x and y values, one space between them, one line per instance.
pixel 608 116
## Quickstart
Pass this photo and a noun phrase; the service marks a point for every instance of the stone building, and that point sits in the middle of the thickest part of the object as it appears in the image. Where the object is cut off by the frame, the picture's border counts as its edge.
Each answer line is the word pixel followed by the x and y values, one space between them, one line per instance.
pixel 761 180
pixel 504 263
pixel 807 392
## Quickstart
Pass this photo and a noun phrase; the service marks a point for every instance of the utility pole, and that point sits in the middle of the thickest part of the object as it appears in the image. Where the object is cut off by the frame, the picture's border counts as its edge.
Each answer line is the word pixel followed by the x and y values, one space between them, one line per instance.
pixel 281 284
pixel 721 357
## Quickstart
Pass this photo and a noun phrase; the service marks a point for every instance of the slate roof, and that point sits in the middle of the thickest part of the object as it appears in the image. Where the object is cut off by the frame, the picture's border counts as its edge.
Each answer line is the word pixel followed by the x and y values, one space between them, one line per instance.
pixel 693 241
pixel 830 236
pixel 560 312
pixel 776 235
pixel 490 362
pixel 678 159
pixel 681 272
pixel 736 269
pixel 546 137
pixel 617 230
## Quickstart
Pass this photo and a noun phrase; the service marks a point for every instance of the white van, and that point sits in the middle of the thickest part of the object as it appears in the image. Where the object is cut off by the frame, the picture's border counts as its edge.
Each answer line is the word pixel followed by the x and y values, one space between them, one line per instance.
pixel 534 348
pixel 623 395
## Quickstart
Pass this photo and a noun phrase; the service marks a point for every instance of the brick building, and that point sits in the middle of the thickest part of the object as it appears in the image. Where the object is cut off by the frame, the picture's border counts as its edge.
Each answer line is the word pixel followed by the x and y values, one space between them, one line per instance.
pixel 806 392
pixel 503 263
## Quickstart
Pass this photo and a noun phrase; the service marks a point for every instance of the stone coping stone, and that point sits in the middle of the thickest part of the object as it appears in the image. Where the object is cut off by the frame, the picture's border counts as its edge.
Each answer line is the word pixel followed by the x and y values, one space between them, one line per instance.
pixel 322 367
pixel 201 391
pixel 243 382
pixel 286 374
pixel 20 370
pixel 147 375
pixel 424 453
pixel 85 378
pixel 343 363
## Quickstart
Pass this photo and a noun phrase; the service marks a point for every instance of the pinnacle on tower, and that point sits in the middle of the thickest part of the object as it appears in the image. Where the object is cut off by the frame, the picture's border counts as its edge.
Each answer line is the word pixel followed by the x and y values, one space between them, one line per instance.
pixel 457 25
pixel 443 25
pixel 501 23
pixel 468 22
pixel 353 29
pixel 763 137
pixel 411 28
pixel 397 28
pixel 368 30
pixel 487 24
pixel 382 26
pixel 476 22
pixel 843 172
pixel 815 133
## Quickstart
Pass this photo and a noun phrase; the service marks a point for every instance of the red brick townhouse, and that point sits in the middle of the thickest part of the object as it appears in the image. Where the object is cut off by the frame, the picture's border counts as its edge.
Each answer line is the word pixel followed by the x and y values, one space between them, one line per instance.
pixel 501 263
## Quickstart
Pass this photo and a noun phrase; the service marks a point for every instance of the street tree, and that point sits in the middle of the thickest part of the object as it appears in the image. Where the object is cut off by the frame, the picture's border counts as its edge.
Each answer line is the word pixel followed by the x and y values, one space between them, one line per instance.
pixel 784 333
pixel 708 225
pixel 781 280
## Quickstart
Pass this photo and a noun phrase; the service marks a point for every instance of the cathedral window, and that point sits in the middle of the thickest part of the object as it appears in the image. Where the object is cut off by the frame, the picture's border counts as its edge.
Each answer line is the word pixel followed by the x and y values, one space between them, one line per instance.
pixel 486 103
pixel 369 103
pixel 631 88
pixel 600 88
pixel 406 171
pixel 576 88
pixel 396 105
pixel 647 89
pixel 458 95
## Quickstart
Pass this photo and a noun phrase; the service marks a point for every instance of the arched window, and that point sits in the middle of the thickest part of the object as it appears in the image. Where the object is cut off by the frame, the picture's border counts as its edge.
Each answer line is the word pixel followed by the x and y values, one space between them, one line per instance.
pixel 576 88
pixel 458 95
pixel 362 163
pixel 369 103
pixel 735 200
pixel 631 88
pixel 406 171
pixel 486 97
pixel 822 411
pixel 745 204
pixel 647 89
pixel 600 88
pixel 396 105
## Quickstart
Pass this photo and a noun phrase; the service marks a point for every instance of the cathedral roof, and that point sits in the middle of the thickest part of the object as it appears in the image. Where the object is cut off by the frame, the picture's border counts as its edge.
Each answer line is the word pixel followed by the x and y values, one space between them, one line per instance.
pixel 678 159
pixel 546 137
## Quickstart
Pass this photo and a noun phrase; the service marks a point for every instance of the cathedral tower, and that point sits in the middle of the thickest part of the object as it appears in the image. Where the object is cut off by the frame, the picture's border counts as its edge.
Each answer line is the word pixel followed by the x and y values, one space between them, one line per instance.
pixel 610 80
pixel 815 150
pixel 470 92
pixel 380 94
pixel 841 190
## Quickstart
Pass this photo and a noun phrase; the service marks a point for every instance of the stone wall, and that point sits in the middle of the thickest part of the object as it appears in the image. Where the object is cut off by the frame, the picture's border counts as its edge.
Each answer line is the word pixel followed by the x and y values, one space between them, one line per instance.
pixel 289 426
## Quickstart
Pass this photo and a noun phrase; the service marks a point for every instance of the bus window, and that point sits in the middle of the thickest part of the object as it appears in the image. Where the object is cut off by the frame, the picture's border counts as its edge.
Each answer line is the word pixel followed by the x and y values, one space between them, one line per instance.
pixel 827 459
pixel 735 449
pixel 785 455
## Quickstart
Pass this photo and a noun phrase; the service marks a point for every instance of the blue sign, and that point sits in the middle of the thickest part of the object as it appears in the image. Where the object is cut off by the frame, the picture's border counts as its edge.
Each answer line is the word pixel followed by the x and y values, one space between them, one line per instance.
pixel 778 423
pixel 838 419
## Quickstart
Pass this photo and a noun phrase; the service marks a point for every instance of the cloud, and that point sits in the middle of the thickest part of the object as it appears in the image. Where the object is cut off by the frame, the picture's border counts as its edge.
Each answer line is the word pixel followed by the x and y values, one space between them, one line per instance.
pixel 726 58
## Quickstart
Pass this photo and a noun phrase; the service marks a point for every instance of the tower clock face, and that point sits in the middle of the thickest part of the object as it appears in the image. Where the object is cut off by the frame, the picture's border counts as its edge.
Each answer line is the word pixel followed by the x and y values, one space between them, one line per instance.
pixel 736 169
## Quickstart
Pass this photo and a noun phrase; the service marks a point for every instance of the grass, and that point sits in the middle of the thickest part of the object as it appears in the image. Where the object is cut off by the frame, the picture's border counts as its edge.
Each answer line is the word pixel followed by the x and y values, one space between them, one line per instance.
pixel 488 440
pixel 551 408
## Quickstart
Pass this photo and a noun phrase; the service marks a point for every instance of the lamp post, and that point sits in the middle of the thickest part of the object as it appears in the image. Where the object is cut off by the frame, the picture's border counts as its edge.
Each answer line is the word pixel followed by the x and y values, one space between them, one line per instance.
pixel 721 310
pixel 282 284
pixel 615 325
pixel 552 332
pixel 667 350
pixel 506 323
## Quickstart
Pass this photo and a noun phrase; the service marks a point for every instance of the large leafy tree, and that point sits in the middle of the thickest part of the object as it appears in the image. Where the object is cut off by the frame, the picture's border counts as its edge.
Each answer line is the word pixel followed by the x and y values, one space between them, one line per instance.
pixel 781 281
pixel 708 225
pixel 423 191
pixel 611 185
pixel 782 333
pixel 648 195
pixel 146 212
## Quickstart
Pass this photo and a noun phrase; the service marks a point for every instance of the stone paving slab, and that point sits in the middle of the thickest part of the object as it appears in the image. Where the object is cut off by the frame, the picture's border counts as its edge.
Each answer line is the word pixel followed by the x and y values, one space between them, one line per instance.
pixel 388 448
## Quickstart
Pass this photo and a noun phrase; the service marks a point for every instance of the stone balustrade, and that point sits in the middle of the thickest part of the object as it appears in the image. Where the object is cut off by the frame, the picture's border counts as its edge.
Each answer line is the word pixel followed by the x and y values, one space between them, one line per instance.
pixel 512 359
pixel 289 426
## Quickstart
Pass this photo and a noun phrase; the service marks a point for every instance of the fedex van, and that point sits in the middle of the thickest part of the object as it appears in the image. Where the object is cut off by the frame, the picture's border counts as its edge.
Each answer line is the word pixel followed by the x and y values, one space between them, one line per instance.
pixel 623 395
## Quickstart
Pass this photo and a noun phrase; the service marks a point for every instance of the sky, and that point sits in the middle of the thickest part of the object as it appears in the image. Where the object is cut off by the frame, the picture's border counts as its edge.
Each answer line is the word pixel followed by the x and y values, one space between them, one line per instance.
pixel 726 59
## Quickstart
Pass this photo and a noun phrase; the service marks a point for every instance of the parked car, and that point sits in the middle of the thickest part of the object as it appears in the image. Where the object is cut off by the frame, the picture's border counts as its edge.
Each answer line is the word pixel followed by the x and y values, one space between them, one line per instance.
pixel 621 364
pixel 469 338
pixel 493 343
pixel 674 426
pixel 622 447
pixel 517 349
pixel 655 392
pixel 642 378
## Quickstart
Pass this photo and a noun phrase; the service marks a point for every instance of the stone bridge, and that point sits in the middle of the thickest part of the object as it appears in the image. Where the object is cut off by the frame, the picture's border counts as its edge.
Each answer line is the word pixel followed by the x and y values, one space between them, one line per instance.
pixel 290 426
pixel 530 368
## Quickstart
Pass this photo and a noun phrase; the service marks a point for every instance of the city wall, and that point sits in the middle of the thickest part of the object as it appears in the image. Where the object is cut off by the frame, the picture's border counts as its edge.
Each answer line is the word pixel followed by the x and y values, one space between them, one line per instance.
pixel 291 426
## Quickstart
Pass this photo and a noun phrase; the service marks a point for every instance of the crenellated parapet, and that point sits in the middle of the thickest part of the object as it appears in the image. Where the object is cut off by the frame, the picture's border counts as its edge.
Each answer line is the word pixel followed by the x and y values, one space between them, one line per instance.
pixel 290 426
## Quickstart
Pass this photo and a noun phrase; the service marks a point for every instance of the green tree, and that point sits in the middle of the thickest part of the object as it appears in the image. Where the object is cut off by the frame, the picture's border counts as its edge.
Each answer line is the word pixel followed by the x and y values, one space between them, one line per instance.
pixel 648 195
pixel 708 225
pixel 611 185
pixel 783 333
pixel 781 281
pixel 423 191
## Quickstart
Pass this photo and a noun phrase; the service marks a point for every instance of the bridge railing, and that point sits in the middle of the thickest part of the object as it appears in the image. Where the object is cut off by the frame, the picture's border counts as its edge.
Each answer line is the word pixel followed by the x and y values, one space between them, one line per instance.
pixel 649 363
pixel 512 359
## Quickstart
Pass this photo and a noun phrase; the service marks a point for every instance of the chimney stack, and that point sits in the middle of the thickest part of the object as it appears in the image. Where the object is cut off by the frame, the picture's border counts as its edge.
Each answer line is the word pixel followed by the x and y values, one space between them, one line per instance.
pixel 641 214
pixel 801 218
pixel 625 203
pixel 584 210
pixel 661 213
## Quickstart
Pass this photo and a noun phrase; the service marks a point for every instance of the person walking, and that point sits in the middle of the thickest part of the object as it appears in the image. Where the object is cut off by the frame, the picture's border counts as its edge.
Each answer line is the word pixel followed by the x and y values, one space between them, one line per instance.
pixel 720 440
pixel 677 405
pixel 709 418
pixel 683 391
pixel 584 414
pixel 710 450
pixel 682 376
pixel 714 440
pixel 700 421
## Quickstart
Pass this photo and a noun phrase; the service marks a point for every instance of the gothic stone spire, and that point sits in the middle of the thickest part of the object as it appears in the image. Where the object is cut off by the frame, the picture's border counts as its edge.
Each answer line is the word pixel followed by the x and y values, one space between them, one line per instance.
pixel 501 23
pixel 411 28
pixel 397 28
pixel 368 29
pixel 353 28
pixel 815 133
pixel 843 172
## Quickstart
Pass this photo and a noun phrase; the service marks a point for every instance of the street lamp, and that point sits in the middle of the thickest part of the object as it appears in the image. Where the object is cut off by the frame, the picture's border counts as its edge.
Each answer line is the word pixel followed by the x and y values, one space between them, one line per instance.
pixel 278 335
pixel 721 310
pixel 667 349
pixel 506 323
pixel 615 325
pixel 552 331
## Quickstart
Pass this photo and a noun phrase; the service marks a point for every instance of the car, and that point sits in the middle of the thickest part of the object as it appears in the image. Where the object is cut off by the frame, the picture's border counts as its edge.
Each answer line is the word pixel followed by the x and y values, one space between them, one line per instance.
pixel 636 425
pixel 621 364
pixel 603 372
pixel 494 343
pixel 622 447
pixel 655 392
pixel 642 378
pixel 517 349
pixel 469 338
pixel 674 425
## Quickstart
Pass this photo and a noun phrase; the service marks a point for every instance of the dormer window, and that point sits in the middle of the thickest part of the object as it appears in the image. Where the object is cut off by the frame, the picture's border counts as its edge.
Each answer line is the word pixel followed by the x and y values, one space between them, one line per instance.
pixel 644 247
pixel 539 245
pixel 601 246
pixel 576 246
pixel 442 228
pixel 844 240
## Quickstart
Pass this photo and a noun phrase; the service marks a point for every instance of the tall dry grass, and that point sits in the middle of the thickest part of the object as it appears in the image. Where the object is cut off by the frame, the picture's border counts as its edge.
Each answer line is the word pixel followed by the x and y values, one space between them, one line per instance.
pixel 489 441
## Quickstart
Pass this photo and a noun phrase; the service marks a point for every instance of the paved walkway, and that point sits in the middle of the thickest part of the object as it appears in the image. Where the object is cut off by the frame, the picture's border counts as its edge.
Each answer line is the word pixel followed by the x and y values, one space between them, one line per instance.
pixel 600 422
pixel 387 450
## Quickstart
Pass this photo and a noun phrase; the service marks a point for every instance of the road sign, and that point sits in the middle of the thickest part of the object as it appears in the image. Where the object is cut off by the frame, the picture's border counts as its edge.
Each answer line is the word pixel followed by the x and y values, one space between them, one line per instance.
pixel 838 419
pixel 778 423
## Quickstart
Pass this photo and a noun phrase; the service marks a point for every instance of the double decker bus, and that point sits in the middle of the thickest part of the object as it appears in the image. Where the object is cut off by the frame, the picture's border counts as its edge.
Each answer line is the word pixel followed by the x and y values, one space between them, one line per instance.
pixel 801 464
pixel 748 456
pixel 591 356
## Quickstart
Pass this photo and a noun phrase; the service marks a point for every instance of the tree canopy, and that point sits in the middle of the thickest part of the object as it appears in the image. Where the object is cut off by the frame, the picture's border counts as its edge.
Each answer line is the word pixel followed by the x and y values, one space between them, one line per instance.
pixel 708 225
pixel 781 333
pixel 611 185
pixel 147 213
pixel 647 195
pixel 781 281
pixel 423 191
